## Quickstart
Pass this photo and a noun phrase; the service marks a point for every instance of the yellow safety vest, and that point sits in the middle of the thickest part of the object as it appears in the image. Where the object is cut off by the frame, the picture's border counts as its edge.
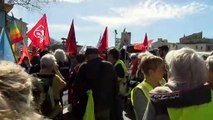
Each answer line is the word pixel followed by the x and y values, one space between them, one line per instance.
pixel 195 112
pixel 122 64
pixel 144 87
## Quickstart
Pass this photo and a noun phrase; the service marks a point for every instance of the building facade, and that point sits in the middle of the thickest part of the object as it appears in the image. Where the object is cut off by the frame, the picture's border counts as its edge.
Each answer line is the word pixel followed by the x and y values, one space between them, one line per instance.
pixel 195 41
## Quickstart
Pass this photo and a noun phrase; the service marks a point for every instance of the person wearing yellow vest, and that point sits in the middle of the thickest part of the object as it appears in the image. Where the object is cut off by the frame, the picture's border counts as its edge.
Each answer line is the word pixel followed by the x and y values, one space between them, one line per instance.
pixel 113 56
pixel 185 96
pixel 153 69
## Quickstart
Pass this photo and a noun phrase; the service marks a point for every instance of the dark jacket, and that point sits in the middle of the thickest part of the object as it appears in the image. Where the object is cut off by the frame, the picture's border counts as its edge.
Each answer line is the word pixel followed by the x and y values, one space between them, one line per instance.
pixel 159 102
pixel 99 76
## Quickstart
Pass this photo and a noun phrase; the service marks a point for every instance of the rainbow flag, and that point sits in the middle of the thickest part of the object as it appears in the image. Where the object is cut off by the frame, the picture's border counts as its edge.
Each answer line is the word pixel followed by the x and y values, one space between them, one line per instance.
pixel 15 35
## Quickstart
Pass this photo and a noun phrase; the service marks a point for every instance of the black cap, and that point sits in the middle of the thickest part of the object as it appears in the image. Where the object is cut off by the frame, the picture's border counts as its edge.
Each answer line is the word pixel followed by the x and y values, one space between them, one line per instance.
pixel 164 48
pixel 91 50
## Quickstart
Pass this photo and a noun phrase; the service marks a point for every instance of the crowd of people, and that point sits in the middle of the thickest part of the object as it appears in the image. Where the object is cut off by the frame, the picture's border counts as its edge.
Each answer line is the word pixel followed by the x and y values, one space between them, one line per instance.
pixel 158 85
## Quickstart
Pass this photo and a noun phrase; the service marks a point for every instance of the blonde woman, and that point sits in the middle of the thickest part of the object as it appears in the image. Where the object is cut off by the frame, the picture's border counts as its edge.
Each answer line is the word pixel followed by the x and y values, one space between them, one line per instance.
pixel 15 93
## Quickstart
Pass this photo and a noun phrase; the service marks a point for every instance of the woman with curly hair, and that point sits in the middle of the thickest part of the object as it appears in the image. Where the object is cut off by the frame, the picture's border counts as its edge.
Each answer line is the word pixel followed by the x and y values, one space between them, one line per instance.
pixel 15 93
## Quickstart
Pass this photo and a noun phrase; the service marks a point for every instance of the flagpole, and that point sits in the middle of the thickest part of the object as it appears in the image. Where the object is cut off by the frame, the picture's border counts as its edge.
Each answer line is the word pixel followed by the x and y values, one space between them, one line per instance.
pixel 99 41
pixel 125 56
pixel 23 43
pixel 115 31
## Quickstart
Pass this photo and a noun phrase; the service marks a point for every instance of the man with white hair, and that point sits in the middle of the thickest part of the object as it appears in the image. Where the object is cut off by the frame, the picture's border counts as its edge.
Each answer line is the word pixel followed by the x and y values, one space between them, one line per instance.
pixel 49 73
pixel 184 96
pixel 63 67
pixel 62 62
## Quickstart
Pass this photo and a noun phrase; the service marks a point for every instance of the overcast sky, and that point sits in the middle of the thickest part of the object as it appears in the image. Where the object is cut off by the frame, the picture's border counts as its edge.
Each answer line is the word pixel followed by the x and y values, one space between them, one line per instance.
pixel 168 19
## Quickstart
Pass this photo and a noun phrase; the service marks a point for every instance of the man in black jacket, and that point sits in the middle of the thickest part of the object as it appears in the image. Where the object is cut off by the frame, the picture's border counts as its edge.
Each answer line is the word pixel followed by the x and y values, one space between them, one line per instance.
pixel 99 76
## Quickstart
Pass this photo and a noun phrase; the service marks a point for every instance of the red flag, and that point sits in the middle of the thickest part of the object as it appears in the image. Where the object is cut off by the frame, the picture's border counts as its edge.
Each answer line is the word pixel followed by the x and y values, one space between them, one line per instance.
pixel 34 49
pixel 39 34
pixel 143 46
pixel 150 42
pixel 32 46
pixel 104 42
pixel 145 41
pixel 24 53
pixel 139 46
pixel 34 53
pixel 71 40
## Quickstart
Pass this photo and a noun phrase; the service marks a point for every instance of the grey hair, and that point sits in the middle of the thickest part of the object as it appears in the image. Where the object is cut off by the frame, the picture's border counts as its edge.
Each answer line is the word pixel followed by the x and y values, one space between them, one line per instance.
pixel 15 90
pixel 60 55
pixel 141 55
pixel 209 63
pixel 48 61
pixel 133 55
pixel 187 69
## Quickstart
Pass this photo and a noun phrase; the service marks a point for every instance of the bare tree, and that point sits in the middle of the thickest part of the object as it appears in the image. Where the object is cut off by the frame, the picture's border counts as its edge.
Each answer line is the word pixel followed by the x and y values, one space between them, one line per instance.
pixel 28 4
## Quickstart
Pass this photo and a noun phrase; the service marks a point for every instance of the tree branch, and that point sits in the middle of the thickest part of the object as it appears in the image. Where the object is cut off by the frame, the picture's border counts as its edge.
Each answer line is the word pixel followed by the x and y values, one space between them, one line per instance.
pixel 28 4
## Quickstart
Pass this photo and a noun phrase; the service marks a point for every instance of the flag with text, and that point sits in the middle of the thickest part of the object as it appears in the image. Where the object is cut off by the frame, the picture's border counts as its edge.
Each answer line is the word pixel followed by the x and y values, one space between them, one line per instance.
pixel 39 34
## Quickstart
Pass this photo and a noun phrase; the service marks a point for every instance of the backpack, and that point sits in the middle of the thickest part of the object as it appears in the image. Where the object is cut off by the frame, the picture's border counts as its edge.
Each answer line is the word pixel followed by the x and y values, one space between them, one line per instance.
pixel 124 88
pixel 48 103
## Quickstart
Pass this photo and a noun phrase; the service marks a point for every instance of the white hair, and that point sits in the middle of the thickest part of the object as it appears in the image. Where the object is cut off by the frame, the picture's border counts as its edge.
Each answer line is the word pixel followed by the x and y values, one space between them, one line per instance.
pixel 186 68
pixel 133 55
pixel 141 55
pixel 48 61
pixel 209 62
pixel 60 55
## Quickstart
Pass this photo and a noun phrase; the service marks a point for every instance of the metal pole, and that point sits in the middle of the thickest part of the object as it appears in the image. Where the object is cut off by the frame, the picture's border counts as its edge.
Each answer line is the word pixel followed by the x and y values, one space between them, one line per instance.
pixel 115 36
pixel 125 55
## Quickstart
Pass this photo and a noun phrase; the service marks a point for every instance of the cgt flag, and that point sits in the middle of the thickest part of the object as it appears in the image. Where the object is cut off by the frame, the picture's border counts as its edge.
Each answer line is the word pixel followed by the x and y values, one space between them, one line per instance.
pixel 6 52
pixel 71 40
pixel 39 34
